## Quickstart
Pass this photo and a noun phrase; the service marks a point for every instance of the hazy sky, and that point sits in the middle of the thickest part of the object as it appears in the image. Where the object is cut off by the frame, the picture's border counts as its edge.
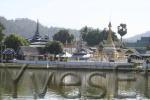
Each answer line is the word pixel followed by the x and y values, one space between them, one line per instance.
pixel 78 13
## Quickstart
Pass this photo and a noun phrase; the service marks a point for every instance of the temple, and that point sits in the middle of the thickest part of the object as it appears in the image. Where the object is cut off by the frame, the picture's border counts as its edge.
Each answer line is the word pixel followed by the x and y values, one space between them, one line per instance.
pixel 37 40
pixel 109 50
pixel 36 37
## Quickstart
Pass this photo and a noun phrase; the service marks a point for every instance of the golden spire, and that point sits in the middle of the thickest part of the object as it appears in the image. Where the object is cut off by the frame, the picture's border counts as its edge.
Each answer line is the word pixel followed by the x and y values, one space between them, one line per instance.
pixel 109 48
pixel 109 38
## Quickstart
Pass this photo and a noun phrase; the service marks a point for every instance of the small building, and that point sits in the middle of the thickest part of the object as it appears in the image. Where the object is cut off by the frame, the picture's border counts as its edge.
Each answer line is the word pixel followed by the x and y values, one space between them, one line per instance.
pixel 35 51
pixel 69 47
pixel 130 51
pixel 31 53
pixel 81 56
pixel 9 54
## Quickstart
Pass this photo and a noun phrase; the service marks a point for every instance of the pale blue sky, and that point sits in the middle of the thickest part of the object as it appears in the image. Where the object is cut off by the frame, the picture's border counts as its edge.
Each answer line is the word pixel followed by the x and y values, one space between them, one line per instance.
pixel 78 13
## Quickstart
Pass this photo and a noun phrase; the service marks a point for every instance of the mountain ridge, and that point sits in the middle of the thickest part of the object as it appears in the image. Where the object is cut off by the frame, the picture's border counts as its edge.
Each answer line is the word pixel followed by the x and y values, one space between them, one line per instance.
pixel 27 27
pixel 138 37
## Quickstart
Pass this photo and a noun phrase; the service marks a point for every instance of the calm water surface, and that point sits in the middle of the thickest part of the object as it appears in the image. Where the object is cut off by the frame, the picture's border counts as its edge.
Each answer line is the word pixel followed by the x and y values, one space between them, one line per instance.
pixel 46 84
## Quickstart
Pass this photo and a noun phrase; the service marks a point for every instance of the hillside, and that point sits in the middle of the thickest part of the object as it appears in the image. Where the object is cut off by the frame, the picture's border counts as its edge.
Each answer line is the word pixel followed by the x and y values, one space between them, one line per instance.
pixel 27 27
pixel 138 37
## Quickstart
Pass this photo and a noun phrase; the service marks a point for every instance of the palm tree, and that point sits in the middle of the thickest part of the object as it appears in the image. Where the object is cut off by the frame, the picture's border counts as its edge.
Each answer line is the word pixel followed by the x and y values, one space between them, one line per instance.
pixel 122 30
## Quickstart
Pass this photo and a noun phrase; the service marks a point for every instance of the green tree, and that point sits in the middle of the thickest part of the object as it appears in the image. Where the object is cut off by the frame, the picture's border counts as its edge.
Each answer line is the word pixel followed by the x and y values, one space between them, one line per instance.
pixel 14 41
pixel 147 47
pixel 84 31
pixel 63 36
pixel 104 35
pixel 92 37
pixel 95 36
pixel 122 30
pixel 1 32
pixel 54 47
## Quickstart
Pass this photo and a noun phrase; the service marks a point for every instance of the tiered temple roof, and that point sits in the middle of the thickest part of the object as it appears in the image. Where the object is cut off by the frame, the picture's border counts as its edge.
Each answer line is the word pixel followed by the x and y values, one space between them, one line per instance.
pixel 37 37
pixel 37 40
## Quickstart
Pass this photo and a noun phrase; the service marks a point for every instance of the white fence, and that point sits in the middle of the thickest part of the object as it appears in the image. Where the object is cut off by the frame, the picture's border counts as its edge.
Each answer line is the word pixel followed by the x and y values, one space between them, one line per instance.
pixel 77 63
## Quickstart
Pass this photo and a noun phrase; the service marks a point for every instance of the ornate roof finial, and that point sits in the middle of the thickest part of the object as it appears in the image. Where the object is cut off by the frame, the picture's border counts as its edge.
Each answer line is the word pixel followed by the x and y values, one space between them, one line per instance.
pixel 37 28
pixel 109 38
pixel 109 25
pixel 36 36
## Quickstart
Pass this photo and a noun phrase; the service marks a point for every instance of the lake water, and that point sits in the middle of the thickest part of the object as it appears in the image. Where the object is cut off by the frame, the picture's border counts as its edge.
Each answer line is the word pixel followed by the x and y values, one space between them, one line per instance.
pixel 55 84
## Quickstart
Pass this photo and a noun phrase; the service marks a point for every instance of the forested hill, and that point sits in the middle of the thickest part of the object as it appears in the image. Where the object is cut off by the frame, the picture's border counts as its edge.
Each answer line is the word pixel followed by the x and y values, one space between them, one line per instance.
pixel 27 27
pixel 138 37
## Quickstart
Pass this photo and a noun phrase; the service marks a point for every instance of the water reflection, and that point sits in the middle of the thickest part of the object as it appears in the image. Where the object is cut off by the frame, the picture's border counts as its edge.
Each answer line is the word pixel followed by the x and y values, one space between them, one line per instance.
pixel 73 84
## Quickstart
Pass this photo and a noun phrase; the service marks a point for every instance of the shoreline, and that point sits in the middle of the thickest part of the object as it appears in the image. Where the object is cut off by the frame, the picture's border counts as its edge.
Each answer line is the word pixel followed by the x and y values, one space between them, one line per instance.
pixel 69 67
